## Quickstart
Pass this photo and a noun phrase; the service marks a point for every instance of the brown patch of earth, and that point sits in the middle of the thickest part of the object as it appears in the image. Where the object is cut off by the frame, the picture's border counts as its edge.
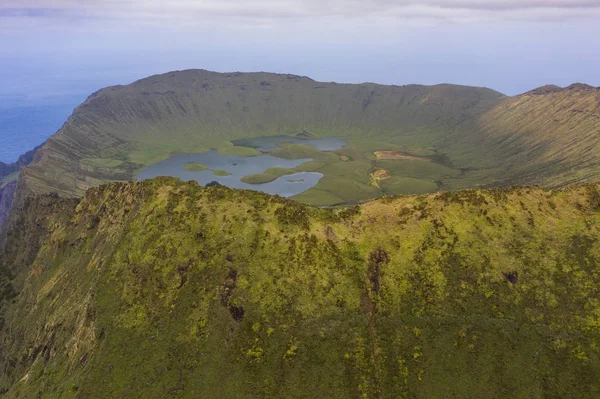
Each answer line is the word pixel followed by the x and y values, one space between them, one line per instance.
pixel 397 155
pixel 380 174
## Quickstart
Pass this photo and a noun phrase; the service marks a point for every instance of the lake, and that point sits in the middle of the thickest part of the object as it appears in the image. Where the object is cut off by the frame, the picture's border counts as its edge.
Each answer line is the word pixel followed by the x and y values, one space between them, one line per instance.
pixel 238 167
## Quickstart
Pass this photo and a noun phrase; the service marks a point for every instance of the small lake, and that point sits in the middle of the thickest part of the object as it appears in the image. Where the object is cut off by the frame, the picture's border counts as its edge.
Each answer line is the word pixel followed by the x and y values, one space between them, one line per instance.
pixel 238 167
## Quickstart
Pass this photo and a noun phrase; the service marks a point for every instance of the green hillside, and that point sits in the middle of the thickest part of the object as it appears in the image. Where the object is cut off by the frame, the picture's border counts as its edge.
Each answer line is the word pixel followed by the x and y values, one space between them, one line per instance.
pixel 164 289
pixel 119 130
pixel 436 137
pixel 549 136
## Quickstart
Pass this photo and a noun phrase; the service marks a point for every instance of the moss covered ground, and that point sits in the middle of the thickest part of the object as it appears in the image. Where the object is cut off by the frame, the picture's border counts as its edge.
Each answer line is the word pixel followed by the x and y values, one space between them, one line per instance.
pixel 164 289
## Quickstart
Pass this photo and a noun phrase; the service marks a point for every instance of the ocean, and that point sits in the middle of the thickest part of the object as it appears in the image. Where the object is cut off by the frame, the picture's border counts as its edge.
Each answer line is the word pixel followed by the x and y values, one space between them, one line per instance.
pixel 26 126
pixel 37 97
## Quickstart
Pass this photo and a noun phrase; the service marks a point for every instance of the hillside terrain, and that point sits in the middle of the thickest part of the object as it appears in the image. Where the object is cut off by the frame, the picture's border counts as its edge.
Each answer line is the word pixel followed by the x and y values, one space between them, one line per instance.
pixel 549 136
pixel 119 130
pixel 24 160
pixel 162 288
pixel 165 289
pixel 7 194
pixel 9 175
pixel 437 137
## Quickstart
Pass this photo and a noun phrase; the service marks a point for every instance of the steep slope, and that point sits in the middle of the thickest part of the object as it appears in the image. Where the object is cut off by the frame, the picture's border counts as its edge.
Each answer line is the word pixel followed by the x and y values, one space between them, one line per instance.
pixel 549 136
pixel 7 193
pixel 120 129
pixel 165 289
pixel 9 175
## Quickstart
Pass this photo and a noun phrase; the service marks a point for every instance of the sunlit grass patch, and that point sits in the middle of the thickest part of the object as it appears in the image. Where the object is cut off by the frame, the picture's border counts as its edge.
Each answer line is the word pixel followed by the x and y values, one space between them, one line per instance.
pixel 259 178
pixel 417 168
pixel 397 185
pixel 195 167
pixel 268 175
pixel 298 151
pixel 318 197
pixel 310 166
pixel 221 173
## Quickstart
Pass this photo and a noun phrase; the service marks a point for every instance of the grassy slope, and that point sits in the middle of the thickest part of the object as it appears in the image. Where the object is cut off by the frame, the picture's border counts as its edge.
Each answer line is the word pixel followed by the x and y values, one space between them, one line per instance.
pixel 120 129
pixel 549 136
pixel 163 289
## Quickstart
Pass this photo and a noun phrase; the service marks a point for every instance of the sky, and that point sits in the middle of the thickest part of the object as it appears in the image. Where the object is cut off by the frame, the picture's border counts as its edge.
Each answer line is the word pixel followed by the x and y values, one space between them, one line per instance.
pixel 508 45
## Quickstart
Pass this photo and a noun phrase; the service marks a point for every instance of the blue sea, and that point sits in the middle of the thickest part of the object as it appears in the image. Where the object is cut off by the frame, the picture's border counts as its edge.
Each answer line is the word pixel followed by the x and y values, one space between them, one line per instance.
pixel 34 104
pixel 22 127
pixel 38 95
pixel 36 98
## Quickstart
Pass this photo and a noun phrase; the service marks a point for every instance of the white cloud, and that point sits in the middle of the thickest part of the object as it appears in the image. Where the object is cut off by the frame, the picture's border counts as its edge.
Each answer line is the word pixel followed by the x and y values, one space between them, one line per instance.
pixel 392 41
pixel 230 16
pixel 274 9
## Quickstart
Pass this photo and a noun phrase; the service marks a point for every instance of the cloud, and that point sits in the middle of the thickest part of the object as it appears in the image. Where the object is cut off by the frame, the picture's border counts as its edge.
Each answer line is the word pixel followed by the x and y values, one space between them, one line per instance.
pixel 181 13
pixel 511 4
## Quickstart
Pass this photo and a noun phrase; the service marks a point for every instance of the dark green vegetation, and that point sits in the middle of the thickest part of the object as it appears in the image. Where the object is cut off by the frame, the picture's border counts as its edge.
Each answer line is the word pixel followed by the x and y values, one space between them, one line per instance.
pixel 164 289
pixel 453 137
